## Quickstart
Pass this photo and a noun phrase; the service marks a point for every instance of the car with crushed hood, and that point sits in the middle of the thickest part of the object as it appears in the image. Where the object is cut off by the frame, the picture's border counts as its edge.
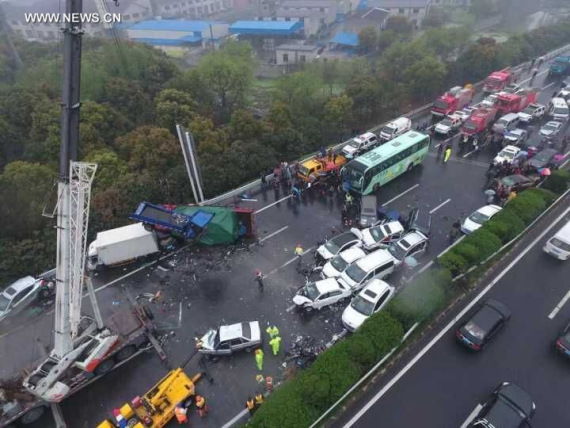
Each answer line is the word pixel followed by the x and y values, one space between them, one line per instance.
pixel 319 294
pixel 227 339
pixel 382 235
pixel 339 263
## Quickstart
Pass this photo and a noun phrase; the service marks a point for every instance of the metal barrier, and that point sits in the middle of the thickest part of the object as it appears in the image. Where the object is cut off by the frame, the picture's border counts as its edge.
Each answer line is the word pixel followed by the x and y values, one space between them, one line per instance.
pixel 422 109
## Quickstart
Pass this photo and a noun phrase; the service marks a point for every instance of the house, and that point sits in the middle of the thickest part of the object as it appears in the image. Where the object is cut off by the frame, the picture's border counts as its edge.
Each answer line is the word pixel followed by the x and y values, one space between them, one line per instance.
pixel 169 33
pixel 130 11
pixel 192 9
pixel 362 18
pixel 414 10
pixel 295 54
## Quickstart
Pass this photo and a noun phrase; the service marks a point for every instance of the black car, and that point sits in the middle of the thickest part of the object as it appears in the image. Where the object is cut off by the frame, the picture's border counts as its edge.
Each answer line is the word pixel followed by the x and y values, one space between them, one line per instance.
pixel 543 159
pixel 418 220
pixel 563 342
pixel 516 182
pixel 483 324
pixel 508 407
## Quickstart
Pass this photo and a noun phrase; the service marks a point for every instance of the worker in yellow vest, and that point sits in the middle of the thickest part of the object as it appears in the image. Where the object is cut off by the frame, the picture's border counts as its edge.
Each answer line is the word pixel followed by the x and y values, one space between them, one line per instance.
pixel 259 359
pixel 275 342
pixel 250 405
pixel 258 399
pixel 272 331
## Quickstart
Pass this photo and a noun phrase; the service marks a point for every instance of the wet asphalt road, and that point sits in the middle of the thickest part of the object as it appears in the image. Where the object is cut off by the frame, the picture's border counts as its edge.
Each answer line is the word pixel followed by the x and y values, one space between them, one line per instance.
pixel 205 287
pixel 446 385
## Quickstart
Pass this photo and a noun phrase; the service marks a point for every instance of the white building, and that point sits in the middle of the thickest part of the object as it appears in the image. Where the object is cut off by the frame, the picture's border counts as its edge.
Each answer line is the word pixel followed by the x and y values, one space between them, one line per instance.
pixel 295 54
pixel 414 10
pixel 193 9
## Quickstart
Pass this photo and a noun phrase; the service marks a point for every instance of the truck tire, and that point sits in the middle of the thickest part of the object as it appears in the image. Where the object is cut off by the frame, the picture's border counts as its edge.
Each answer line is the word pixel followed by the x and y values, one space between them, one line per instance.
pixel 105 367
pixel 125 353
pixel 32 416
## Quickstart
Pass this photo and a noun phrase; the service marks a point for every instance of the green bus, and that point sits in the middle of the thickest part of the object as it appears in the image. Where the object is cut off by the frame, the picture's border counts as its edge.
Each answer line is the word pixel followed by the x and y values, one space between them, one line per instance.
pixel 368 172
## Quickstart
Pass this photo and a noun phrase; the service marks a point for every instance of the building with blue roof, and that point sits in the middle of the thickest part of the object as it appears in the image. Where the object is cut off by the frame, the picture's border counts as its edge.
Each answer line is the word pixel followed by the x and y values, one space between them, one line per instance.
pixel 176 33
pixel 266 28
pixel 346 40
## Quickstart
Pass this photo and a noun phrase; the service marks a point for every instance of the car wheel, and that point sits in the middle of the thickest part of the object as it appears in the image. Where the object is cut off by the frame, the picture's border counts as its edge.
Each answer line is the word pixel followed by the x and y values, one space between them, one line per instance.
pixel 308 309
pixel 249 349
pixel 32 416
pixel 125 353
pixel 105 367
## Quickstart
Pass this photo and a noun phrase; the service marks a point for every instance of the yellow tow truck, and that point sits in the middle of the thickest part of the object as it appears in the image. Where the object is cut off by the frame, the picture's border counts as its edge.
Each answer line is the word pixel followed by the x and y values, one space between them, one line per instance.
pixel 156 408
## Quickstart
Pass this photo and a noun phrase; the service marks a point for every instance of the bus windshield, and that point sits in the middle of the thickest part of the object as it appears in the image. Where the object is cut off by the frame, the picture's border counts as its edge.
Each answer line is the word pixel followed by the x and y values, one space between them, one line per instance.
pixel 354 177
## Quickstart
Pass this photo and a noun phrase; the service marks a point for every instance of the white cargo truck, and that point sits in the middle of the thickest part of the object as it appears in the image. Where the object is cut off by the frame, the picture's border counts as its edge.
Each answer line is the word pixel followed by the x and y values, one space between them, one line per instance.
pixel 121 245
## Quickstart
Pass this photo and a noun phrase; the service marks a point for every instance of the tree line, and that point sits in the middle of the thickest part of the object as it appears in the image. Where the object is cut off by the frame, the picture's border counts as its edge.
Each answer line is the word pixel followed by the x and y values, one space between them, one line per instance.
pixel 133 95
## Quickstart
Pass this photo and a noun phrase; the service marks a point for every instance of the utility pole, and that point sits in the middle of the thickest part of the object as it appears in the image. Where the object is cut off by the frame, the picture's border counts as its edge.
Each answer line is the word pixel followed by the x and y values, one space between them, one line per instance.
pixel 72 33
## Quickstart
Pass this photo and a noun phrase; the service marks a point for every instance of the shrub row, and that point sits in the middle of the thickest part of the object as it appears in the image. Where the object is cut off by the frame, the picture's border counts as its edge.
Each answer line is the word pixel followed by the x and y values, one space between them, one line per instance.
pixel 302 400
pixel 499 230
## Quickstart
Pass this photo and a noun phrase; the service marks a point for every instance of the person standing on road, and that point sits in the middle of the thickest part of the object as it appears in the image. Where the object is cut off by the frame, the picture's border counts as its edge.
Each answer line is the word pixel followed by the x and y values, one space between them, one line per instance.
pixel 534 73
pixel 299 254
pixel 258 399
pixel 259 279
pixel 259 359
pixel 180 413
pixel 250 405
pixel 201 406
pixel 272 331
pixel 447 154
pixel 274 343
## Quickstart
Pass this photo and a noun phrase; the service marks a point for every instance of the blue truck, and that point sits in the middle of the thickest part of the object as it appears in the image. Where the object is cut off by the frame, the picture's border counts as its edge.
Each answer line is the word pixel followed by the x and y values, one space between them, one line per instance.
pixel 165 219
pixel 560 66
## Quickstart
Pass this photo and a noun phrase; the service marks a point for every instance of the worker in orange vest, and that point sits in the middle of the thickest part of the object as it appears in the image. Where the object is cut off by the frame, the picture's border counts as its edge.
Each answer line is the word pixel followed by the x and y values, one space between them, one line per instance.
pixel 250 405
pixel 201 405
pixel 180 413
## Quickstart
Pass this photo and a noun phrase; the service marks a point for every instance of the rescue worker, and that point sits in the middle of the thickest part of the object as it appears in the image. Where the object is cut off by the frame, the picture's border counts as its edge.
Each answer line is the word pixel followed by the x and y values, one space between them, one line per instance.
pixel 259 358
pixel 349 199
pixel 250 405
pixel 511 196
pixel 258 399
pixel 274 343
pixel 201 406
pixel 447 154
pixel 180 413
pixel 259 279
pixel 272 331
pixel 299 254
pixel 269 384
pixel 534 73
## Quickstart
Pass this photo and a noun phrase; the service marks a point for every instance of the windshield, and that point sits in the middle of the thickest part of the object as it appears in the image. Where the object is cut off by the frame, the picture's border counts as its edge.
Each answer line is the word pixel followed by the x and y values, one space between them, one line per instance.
pixel 311 291
pixel 478 218
pixel 440 104
pixel 493 82
pixel 474 330
pixel 550 128
pixel 377 233
pixel 388 130
pixel 355 178
pixel 446 122
pixel 507 154
pixel 354 143
pixel 332 247
pixel 470 126
pixel 397 251
pixel 365 307
pixel 355 273
pixel 304 170
pixel 561 111
pixel 339 263
pixel 559 244
pixel 528 110
pixel 4 302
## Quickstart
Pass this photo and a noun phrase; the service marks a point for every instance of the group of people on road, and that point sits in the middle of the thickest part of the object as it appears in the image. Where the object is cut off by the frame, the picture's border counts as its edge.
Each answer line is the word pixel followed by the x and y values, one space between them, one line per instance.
pixel 181 409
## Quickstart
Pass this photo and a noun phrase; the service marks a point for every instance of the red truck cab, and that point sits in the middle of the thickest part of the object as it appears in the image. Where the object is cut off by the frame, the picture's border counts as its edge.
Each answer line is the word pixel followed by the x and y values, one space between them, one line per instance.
pixel 498 80
pixel 513 103
pixel 479 121
pixel 454 99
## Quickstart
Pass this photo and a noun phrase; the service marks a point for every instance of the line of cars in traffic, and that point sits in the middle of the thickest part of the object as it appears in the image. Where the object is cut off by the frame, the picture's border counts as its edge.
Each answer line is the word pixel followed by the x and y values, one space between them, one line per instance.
pixel 353 264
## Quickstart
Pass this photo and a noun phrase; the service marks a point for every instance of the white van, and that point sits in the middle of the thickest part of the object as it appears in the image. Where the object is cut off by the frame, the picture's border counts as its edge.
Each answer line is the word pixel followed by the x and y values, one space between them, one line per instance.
pixel 506 123
pixel 558 109
pixel 378 264
pixel 395 128
pixel 359 144
pixel 559 245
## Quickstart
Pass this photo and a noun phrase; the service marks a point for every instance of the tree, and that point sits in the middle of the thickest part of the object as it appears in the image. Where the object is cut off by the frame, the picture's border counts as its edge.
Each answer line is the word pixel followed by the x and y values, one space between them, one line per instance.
pixel 337 113
pixel 99 126
pixel 128 98
pixel 110 168
pixel 398 57
pixel 435 18
pixel 479 60
pixel 243 126
pixel 172 107
pixel 364 91
pixel 399 24
pixel 426 78
pixel 386 38
pixel 193 83
pixel 229 73
pixel 367 39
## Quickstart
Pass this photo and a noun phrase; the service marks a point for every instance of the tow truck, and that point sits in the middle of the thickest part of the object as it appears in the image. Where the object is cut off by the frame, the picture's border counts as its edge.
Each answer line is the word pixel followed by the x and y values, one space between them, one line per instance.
pixel 454 99
pixel 318 168
pixel 480 120
pixel 498 80
pixel 514 103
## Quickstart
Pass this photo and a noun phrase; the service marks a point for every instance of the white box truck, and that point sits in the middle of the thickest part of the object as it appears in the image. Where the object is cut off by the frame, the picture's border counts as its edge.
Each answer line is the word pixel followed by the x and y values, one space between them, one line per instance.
pixel 121 245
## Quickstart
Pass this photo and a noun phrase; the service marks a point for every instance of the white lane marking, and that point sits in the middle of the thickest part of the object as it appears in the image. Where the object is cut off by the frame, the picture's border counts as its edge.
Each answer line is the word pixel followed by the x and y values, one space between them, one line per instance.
pixel 548 86
pixel 274 203
pixel 236 418
pixel 271 235
pixel 538 74
pixel 287 263
pixel 437 145
pixel 451 324
pixel 467 154
pixel 440 205
pixel 248 200
pixel 559 305
pixel 400 195
pixel 290 308
pixel 474 413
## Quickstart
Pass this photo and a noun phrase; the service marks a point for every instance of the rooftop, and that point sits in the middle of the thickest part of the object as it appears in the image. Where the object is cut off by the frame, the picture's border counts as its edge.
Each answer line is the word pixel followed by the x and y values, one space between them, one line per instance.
pixel 346 39
pixel 171 25
pixel 280 28
pixel 298 4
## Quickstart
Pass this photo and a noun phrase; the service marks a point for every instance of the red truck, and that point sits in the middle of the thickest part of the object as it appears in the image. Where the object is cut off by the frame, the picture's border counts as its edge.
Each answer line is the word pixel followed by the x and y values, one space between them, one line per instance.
pixel 454 99
pixel 513 103
pixel 480 120
pixel 498 80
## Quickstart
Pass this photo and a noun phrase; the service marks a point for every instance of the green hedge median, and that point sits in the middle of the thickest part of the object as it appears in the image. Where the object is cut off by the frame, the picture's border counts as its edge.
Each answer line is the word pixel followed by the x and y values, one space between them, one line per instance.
pixel 300 401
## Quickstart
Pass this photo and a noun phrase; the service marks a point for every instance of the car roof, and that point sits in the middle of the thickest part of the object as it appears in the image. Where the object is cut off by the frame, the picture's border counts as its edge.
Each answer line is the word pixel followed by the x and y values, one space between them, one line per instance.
pixel 327 285
pixel 498 306
pixel 514 179
pixel 518 131
pixel 393 226
pixel 411 239
pixel 19 285
pixel 510 148
pixel 509 116
pixel 489 209
pixel 518 397
pixel 398 122
pixel 344 238
pixel 374 259
pixel 485 318
pixel 231 331
pixel 368 135
pixel 374 289
pixel 553 123
pixel 352 254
